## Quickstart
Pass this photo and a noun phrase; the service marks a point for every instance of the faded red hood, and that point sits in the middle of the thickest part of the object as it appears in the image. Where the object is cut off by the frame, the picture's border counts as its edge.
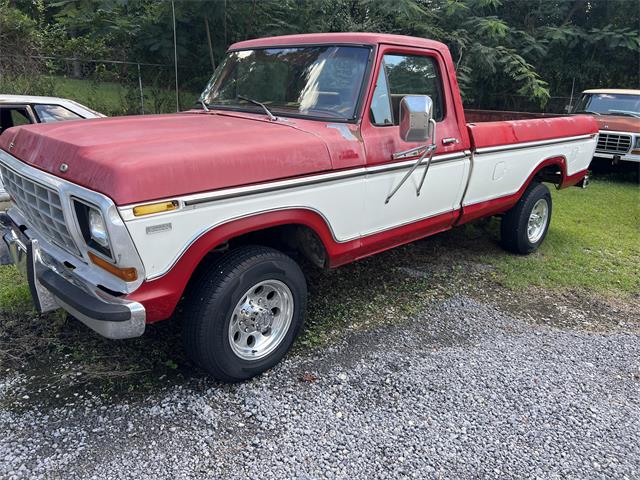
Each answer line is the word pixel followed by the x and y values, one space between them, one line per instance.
pixel 618 123
pixel 136 159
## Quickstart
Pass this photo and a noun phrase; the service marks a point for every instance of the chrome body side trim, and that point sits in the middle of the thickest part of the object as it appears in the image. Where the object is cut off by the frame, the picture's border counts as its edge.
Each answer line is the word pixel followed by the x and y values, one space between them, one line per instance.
pixel 540 143
pixel 202 198
pixel 411 153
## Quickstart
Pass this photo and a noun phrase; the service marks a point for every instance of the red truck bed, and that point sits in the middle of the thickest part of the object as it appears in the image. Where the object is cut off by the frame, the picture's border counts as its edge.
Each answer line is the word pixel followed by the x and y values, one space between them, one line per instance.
pixel 524 127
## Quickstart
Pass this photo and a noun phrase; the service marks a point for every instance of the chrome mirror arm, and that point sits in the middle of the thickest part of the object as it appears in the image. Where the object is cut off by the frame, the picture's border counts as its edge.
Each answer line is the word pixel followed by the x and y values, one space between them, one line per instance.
pixel 428 153
pixel 432 149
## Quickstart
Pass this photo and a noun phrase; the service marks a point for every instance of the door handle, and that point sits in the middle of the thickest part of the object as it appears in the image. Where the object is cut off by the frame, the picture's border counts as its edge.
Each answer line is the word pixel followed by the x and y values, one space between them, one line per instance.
pixel 448 140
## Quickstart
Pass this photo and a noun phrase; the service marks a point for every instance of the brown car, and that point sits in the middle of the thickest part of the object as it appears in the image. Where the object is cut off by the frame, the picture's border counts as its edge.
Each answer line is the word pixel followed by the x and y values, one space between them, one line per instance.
pixel 618 114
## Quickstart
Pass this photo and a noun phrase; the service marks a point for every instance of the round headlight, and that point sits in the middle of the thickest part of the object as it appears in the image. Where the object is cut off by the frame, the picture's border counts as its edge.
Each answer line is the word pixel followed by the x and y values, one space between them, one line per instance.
pixel 97 228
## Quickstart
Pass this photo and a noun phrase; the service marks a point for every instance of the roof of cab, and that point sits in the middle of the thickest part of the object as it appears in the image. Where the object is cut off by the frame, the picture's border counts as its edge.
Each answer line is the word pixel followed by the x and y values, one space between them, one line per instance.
pixel 341 38
pixel 621 91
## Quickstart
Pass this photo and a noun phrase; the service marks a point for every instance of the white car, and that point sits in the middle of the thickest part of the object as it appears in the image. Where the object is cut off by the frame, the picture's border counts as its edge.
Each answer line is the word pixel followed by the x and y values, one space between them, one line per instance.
pixel 18 110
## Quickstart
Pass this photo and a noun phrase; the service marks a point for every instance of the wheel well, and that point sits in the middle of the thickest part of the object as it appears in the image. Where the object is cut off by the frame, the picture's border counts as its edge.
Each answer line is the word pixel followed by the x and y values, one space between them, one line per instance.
pixel 294 239
pixel 551 173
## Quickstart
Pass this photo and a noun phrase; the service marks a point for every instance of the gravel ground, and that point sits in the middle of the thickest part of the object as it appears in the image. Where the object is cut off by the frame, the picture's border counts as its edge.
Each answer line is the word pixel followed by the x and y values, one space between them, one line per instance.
pixel 463 391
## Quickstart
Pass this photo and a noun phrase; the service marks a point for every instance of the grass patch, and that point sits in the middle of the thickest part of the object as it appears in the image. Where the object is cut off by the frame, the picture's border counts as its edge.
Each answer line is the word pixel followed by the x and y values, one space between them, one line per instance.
pixel 105 97
pixel 593 243
pixel 112 98
pixel 14 292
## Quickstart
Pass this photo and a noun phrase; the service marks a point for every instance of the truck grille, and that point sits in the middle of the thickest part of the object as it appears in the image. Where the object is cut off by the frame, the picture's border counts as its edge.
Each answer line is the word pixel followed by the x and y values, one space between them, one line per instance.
pixel 613 143
pixel 41 207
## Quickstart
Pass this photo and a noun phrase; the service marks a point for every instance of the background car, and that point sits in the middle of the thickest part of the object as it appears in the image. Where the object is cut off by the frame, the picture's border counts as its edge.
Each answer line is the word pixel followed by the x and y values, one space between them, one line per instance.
pixel 617 112
pixel 18 110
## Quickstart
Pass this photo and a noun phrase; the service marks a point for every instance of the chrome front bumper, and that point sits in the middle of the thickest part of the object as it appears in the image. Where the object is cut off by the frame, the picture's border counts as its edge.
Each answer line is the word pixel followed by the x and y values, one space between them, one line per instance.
pixel 4 196
pixel 619 157
pixel 54 286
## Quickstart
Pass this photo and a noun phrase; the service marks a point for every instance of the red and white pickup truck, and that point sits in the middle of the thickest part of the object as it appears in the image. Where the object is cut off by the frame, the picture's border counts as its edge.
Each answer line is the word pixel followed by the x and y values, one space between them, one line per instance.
pixel 331 147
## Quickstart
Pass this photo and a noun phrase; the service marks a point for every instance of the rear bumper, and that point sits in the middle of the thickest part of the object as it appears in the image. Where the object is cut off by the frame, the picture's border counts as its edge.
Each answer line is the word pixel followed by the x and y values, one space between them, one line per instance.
pixel 53 286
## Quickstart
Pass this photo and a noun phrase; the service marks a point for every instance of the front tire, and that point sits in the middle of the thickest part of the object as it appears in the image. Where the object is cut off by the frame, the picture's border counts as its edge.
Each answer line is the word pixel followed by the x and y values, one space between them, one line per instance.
pixel 525 226
pixel 244 313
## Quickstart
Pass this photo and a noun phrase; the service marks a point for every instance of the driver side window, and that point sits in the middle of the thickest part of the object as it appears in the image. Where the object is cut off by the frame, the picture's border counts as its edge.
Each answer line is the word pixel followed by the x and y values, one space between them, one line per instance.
pixel 380 104
pixel 402 75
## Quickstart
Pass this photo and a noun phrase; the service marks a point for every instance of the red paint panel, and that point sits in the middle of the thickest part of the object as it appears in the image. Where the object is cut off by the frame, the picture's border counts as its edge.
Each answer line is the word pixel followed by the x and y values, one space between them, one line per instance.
pixel 340 38
pixel 475 115
pixel 488 208
pixel 382 241
pixel 161 296
pixel 491 134
pixel 383 141
pixel 141 158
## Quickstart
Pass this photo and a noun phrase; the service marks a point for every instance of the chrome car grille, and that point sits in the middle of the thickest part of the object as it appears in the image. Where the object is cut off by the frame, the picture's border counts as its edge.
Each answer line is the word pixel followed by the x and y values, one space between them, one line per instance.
pixel 41 207
pixel 613 143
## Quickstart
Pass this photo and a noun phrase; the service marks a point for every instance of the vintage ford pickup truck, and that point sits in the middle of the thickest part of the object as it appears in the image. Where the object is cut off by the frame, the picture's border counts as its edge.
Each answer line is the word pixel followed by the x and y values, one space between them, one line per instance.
pixel 617 112
pixel 329 147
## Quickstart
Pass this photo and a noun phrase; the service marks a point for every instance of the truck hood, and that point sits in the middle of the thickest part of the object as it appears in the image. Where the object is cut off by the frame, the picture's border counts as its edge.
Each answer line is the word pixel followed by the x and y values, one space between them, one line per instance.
pixel 136 159
pixel 617 123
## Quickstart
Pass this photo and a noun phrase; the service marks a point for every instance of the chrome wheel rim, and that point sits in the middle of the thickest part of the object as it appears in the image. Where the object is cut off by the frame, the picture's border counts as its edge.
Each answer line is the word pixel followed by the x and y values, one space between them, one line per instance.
pixel 538 220
pixel 261 320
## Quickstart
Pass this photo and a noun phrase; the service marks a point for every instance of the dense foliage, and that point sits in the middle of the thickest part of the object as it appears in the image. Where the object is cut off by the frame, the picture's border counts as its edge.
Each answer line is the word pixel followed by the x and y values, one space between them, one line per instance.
pixel 508 53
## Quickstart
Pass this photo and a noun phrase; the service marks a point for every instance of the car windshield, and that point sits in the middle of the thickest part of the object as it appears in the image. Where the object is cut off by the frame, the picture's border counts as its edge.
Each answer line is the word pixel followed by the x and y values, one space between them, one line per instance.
pixel 314 81
pixel 609 104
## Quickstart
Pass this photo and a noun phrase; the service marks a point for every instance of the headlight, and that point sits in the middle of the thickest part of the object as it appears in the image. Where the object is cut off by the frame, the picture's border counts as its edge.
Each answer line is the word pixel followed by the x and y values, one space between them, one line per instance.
pixel 97 228
pixel 637 142
pixel 93 228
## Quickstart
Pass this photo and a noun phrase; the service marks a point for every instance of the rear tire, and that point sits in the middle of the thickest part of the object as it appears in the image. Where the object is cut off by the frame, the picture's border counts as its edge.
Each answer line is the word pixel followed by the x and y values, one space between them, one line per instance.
pixel 525 226
pixel 244 313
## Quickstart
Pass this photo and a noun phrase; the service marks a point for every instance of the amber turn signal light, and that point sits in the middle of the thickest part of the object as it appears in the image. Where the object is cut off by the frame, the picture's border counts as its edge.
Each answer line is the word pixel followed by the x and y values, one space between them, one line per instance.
pixel 126 274
pixel 150 208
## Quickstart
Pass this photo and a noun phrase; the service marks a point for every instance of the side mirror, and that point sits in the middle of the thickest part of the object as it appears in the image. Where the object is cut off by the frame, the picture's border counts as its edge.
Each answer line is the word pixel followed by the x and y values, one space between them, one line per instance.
pixel 416 115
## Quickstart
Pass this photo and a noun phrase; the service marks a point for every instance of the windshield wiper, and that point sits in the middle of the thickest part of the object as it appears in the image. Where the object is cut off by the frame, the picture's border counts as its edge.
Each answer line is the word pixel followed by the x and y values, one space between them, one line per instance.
pixel 271 116
pixel 204 105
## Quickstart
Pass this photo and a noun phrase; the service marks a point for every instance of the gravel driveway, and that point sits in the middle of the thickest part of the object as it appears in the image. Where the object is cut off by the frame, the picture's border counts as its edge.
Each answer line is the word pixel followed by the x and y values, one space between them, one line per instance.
pixel 463 391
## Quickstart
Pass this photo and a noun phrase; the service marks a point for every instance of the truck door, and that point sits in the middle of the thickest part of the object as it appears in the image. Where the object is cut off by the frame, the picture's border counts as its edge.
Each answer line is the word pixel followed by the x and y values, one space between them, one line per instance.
pixel 404 71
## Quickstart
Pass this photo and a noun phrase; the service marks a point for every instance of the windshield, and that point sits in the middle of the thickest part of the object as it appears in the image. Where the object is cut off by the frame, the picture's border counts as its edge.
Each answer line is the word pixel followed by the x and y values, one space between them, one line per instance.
pixel 319 81
pixel 609 104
